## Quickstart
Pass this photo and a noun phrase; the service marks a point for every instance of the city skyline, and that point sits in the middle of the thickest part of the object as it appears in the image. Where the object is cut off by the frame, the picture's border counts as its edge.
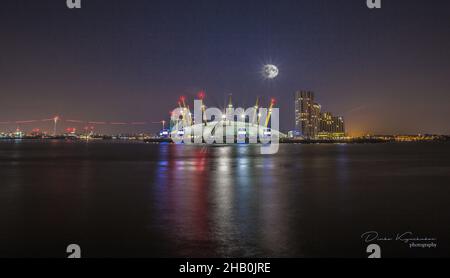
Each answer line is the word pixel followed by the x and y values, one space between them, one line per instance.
pixel 312 122
pixel 130 62
pixel 256 133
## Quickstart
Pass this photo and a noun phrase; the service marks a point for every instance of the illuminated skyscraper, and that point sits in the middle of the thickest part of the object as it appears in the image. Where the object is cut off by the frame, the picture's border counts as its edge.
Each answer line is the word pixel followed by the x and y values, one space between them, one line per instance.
pixel 331 126
pixel 315 120
pixel 311 123
pixel 307 114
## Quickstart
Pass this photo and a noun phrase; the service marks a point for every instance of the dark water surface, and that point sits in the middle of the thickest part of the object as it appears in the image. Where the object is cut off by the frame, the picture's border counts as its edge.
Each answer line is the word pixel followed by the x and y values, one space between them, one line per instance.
pixel 145 200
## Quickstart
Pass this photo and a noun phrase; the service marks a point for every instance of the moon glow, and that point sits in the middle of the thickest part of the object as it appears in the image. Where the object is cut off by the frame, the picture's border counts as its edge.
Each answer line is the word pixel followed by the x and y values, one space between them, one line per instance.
pixel 270 71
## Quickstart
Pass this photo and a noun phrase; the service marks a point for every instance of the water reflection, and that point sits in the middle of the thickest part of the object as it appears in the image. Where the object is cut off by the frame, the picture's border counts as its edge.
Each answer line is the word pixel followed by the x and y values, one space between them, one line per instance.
pixel 139 200
pixel 223 198
pixel 182 195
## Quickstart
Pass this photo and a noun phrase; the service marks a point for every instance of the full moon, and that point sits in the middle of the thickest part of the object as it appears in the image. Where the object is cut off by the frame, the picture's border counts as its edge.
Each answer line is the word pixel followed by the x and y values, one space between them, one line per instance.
pixel 270 71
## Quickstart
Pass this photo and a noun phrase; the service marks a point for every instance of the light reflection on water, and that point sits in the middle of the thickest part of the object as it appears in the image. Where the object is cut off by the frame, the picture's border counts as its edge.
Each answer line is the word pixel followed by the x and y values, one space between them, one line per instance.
pixel 229 201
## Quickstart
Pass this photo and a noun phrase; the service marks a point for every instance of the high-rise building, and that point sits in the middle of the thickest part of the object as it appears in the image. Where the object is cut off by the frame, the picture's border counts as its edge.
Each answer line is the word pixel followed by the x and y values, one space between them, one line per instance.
pixel 326 122
pixel 307 114
pixel 315 120
pixel 331 126
pixel 311 123
pixel 340 125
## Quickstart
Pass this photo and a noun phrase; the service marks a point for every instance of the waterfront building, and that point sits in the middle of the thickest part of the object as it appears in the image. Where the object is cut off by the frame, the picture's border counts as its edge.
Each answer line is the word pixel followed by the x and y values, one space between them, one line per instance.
pixel 311 123
pixel 306 117
pixel 331 127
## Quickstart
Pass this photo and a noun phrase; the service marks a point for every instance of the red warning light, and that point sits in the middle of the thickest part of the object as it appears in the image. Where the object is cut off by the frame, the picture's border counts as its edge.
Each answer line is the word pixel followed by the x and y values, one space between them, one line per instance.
pixel 71 130
pixel 201 95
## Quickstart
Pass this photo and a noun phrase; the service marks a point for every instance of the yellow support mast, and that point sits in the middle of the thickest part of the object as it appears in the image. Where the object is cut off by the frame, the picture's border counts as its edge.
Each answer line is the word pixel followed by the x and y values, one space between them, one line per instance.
pixel 272 103
pixel 190 115
pixel 201 96
pixel 186 111
pixel 230 101
pixel 183 113
pixel 256 114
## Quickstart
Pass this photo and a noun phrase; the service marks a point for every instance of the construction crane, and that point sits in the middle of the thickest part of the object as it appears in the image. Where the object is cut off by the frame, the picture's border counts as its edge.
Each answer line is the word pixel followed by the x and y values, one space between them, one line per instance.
pixel 55 123
pixel 163 122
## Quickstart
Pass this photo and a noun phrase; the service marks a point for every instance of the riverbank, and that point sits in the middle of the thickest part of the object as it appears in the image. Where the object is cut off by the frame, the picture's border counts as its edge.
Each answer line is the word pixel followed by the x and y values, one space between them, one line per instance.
pixel 282 140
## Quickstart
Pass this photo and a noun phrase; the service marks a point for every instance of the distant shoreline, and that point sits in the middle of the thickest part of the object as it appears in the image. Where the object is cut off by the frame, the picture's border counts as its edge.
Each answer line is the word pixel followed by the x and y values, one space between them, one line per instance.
pixel 282 141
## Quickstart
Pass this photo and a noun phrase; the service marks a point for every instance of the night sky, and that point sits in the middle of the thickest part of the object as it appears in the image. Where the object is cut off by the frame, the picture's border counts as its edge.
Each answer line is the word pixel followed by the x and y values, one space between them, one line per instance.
pixel 385 71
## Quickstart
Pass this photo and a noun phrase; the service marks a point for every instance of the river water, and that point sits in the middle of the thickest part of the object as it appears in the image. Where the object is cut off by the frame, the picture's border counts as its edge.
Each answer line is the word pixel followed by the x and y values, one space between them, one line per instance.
pixel 150 200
